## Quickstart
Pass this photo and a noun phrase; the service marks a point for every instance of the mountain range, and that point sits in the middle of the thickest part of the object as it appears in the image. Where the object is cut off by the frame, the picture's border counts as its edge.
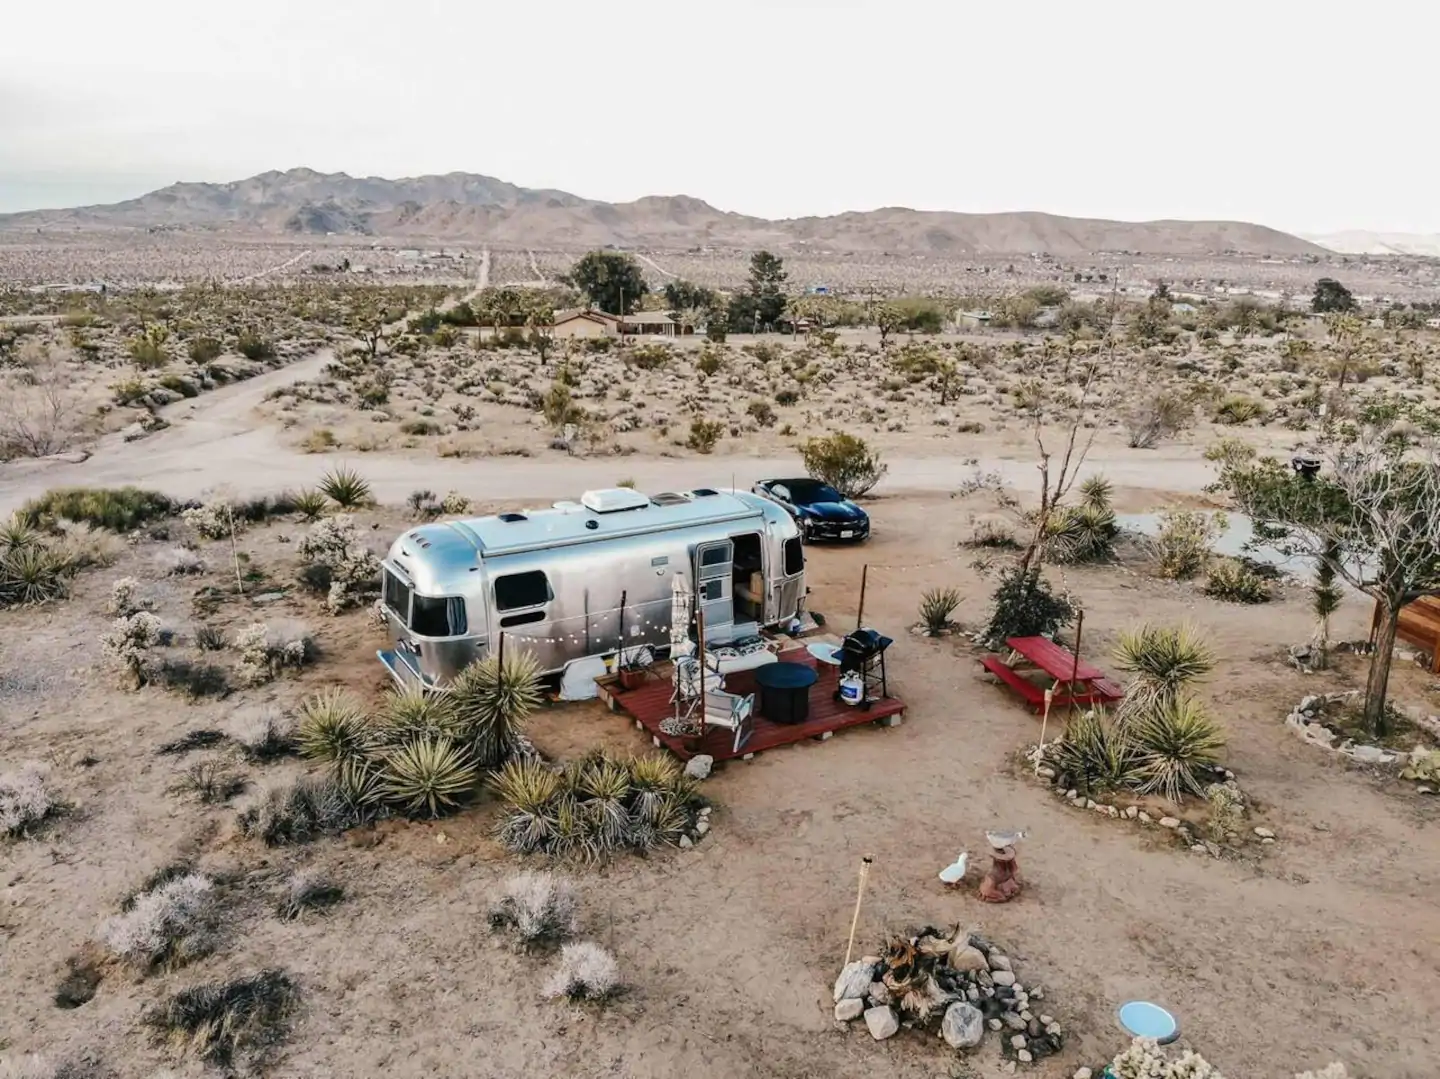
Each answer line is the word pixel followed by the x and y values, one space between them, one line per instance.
pixel 1380 243
pixel 465 207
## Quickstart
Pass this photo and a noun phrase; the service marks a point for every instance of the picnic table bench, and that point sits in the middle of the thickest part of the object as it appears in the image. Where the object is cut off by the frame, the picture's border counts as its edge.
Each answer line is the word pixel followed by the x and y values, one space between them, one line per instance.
pixel 1071 681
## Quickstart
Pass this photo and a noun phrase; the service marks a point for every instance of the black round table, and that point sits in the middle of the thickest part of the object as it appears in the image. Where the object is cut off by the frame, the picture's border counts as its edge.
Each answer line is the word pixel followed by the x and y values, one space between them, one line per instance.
pixel 784 691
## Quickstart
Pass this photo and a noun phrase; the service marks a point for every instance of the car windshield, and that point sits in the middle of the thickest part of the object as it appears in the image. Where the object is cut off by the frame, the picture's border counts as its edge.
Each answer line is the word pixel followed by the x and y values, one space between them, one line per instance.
pixel 814 492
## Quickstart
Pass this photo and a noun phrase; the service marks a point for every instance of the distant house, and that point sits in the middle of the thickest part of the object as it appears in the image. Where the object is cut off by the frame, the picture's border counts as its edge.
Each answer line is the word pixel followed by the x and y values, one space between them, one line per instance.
pixel 1432 323
pixel 973 320
pixel 585 322
pixel 650 322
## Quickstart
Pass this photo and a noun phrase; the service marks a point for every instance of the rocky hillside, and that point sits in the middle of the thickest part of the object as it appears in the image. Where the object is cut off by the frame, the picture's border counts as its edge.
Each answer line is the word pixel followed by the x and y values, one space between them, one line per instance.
pixel 460 207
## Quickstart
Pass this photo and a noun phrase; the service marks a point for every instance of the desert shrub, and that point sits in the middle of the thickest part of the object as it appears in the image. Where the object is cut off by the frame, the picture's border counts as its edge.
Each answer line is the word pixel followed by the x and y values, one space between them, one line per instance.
pixel 422 503
pixel 335 544
pixel 217 1021
pixel 596 807
pixel 1226 812
pixel 421 428
pixel 179 562
pixel 491 701
pixel 1159 414
pixel 1232 580
pixel 80 545
pixel 992 532
pixel 310 504
pixel 1236 408
pixel 1163 661
pixel 169 925
pixel 1144 1059
pixel 210 638
pixel 787 397
pixel 308 890
pixel 936 607
pixel 261 734
pixel 190 741
pixel 1181 546
pixel 292 813
pixel 1175 744
pixel 454 504
pixel 761 412
pixel 704 434
pixel 147 351
pixel 584 971
pixel 333 728
pixel 1084 533
pixel 843 461
pixel 211 781
pixel 120 509
pixel 1093 754
pixel 254 347
pixel 25 799
pixel 648 357
pixel 214 520
pixel 129 390
pixel 1024 606
pixel 536 909
pixel 346 488
pixel 125 598
pixel 205 350
pixel 266 651
pixel 428 776
pixel 128 642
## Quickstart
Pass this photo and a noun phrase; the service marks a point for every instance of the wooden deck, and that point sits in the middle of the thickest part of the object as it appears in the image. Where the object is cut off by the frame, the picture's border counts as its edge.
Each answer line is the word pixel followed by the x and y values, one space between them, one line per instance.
pixel 649 703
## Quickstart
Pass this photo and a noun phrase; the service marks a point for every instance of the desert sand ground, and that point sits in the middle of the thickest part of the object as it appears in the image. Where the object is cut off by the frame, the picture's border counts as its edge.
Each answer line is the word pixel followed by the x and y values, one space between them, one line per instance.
pixel 1321 946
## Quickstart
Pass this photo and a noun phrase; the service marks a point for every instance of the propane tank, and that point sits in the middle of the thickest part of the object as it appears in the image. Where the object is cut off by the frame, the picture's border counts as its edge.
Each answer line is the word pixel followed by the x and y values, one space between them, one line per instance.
pixel 852 688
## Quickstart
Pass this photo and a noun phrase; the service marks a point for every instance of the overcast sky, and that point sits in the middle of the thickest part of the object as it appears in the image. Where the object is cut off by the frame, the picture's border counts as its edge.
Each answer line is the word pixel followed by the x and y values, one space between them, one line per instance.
pixel 1311 117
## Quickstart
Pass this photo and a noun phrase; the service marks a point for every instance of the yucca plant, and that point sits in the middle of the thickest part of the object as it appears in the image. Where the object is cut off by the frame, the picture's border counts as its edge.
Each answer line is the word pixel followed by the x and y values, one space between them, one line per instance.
pixel 1235 582
pixel 412 713
pixel 310 504
pixel 574 837
pixel 1163 660
pixel 672 818
pixel 1174 745
pixel 32 574
pixel 603 786
pixel 1094 754
pixel 332 728
pixel 16 535
pixel 936 607
pixel 653 778
pixel 1084 533
pixel 357 782
pixel 346 488
pixel 490 701
pixel 1096 493
pixel 528 789
pixel 428 775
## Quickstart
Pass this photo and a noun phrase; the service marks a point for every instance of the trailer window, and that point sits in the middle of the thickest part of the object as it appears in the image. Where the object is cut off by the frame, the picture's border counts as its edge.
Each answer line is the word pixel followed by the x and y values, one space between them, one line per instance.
pixel 794 557
pixel 438 616
pixel 397 595
pixel 517 590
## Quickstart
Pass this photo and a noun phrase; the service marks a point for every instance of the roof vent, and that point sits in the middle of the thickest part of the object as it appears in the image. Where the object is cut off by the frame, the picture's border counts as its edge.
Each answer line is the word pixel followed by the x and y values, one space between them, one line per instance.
pixel 613 500
pixel 511 518
pixel 670 498
pixel 704 492
pixel 567 507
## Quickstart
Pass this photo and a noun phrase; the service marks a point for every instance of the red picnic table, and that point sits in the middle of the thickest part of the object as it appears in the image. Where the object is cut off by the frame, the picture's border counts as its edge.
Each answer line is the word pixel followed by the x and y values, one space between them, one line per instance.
pixel 1072 681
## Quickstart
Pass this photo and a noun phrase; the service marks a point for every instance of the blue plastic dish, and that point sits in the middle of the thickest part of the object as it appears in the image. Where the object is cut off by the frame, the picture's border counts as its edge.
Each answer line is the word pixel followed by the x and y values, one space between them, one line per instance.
pixel 1141 1019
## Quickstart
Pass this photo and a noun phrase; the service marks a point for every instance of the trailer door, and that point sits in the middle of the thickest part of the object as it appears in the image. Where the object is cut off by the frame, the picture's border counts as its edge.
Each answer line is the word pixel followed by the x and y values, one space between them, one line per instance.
pixel 714 573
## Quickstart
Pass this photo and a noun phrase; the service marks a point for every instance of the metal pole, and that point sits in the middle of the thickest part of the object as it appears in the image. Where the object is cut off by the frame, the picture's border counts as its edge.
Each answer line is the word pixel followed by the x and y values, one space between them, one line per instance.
pixel 620 658
pixel 860 614
pixel 500 661
pixel 700 656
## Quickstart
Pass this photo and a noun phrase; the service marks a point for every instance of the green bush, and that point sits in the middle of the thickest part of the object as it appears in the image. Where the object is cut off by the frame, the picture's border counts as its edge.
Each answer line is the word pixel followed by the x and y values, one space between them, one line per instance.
pixel 1024 606
pixel 1236 408
pixel 205 350
pixel 1093 754
pixel 1235 582
pixel 120 509
pixel 843 461
pixel 254 347
pixel 1182 545
pixel 1084 533
pixel 936 607
pixel 704 434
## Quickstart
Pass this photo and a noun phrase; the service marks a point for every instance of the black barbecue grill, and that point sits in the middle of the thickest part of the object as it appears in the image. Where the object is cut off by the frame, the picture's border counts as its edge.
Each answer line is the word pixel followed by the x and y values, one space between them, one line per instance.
pixel 864 652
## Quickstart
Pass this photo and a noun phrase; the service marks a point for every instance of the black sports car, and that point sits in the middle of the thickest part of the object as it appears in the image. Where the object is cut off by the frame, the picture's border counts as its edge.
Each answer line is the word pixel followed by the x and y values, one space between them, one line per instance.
pixel 821 511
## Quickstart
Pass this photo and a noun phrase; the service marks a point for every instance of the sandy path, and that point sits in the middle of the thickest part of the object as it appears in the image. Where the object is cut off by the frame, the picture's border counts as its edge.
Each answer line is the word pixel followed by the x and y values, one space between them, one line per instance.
pixel 655 265
pixel 273 269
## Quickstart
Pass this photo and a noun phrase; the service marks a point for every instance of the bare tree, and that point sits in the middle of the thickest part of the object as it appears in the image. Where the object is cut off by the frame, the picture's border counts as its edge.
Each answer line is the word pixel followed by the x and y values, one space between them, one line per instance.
pixel 40 407
pixel 1372 514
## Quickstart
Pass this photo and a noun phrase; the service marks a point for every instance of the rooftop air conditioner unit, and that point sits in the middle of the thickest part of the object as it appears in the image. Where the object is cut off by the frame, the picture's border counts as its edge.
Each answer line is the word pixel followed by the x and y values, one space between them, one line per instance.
pixel 613 500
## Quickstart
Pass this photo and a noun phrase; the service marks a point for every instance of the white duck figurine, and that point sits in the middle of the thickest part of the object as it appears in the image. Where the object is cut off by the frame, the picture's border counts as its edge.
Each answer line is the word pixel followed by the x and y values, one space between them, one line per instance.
pixel 955 872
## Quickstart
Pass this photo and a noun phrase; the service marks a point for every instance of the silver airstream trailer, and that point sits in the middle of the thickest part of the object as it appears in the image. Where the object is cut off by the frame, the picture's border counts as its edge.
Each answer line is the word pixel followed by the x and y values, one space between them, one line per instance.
pixel 553 580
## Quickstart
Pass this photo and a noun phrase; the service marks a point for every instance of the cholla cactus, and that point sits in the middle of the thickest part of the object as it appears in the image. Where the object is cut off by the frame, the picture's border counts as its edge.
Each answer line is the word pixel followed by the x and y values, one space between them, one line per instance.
pixel 354 569
pixel 24 798
pixel 128 643
pixel 454 504
pixel 214 520
pixel 125 598
pixel 265 651
pixel 1330 1071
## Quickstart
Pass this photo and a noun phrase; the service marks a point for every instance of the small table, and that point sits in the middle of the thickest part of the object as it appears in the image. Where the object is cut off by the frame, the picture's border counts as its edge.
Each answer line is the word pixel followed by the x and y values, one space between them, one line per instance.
pixel 1071 682
pixel 785 691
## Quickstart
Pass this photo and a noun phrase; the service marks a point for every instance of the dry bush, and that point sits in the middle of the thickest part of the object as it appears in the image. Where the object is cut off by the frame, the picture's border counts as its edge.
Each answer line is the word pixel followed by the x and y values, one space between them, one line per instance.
pixel 125 598
pixel 25 799
pixel 41 405
pixel 128 642
pixel 212 781
pixel 214 520
pixel 169 925
pixel 308 890
pixel 335 545
pixel 217 1021
pixel 290 813
pixel 1158 415
pixel 179 562
pixel 261 734
pixel 536 909
pixel 268 650
pixel 585 971
pixel 1182 545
